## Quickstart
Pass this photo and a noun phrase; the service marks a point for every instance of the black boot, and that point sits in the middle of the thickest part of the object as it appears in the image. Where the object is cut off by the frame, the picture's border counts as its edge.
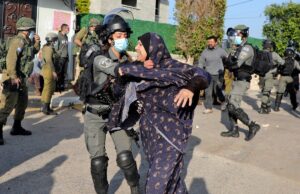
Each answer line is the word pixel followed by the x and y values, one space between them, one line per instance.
pixel 47 110
pixel 264 109
pixel 234 132
pixel 253 129
pixel 17 129
pixel 127 163
pixel 1 135
pixel 99 174
pixel 278 101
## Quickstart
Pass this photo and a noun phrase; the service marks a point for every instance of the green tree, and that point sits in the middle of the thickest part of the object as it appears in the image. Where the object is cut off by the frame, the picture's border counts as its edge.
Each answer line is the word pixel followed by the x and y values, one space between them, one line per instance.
pixel 283 24
pixel 83 6
pixel 197 20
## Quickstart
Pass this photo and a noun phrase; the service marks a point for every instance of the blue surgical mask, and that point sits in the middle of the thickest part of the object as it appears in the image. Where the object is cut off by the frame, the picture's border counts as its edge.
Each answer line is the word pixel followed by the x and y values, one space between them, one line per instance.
pixel 121 44
pixel 238 40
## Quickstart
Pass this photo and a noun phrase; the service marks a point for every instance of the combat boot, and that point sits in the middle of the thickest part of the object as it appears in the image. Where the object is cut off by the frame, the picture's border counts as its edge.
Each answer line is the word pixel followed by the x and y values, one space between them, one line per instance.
pixel 17 129
pixel 234 132
pixel 127 163
pixel 253 129
pixel 47 110
pixel 99 174
pixel 1 135
pixel 264 109
pixel 278 102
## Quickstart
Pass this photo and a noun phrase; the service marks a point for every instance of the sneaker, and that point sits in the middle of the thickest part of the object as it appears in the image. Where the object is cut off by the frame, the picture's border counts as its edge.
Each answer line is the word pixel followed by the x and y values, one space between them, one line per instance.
pixel 207 111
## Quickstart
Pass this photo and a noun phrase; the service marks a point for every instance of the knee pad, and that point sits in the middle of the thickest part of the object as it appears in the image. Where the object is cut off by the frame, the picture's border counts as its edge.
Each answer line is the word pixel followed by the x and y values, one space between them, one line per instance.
pixel 99 174
pixel 127 163
pixel 231 108
pixel 125 159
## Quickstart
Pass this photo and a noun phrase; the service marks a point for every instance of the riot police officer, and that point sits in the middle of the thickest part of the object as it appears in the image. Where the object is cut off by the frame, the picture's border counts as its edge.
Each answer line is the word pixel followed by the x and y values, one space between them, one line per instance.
pixel 21 50
pixel 98 99
pixel 241 66
pixel 285 72
pixel 49 57
pixel 270 77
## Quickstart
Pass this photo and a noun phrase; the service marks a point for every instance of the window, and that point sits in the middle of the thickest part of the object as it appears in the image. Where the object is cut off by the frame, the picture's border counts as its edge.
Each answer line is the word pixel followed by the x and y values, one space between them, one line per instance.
pixel 129 2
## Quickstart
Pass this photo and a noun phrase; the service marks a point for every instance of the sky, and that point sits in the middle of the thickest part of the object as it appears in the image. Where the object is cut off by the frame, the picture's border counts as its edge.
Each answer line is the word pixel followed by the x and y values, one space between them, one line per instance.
pixel 248 12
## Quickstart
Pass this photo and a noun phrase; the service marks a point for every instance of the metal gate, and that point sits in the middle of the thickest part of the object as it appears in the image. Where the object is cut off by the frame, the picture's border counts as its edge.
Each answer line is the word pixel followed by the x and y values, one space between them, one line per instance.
pixel 11 11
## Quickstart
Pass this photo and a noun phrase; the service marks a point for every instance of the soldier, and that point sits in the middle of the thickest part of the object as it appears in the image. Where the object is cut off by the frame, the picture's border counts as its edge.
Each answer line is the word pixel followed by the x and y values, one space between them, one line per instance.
pixel 62 51
pixel 87 36
pixel 48 72
pixel 270 77
pixel 241 64
pixel 285 72
pixel 211 61
pixel 95 84
pixel 21 50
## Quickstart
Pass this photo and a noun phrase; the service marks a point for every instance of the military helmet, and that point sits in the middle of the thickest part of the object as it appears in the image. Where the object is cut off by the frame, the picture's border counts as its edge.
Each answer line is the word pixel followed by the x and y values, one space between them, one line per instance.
pixel 268 44
pixel 51 37
pixel 25 23
pixel 94 22
pixel 244 30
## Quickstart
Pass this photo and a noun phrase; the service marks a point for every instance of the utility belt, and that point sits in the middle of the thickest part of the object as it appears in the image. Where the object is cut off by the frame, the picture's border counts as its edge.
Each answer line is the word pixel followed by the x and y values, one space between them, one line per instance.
pixel 285 74
pixel 100 99
pixel 241 79
pixel 101 113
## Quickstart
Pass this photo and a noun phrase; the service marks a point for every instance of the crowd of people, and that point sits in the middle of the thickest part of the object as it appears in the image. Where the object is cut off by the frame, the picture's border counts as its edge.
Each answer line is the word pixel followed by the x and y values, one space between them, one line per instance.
pixel 156 90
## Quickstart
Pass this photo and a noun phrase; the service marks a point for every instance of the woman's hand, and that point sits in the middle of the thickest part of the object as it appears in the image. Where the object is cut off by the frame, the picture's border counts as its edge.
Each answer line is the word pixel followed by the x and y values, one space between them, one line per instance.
pixel 183 97
pixel 120 72
pixel 149 64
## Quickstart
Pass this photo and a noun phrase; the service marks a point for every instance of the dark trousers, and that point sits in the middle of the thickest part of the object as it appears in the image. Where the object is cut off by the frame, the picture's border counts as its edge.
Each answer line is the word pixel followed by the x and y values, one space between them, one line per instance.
pixel 214 88
pixel 61 71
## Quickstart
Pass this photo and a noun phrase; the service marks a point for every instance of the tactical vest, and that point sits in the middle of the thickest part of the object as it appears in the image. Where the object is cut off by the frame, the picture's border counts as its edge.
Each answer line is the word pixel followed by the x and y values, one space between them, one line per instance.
pixel 288 67
pixel 25 60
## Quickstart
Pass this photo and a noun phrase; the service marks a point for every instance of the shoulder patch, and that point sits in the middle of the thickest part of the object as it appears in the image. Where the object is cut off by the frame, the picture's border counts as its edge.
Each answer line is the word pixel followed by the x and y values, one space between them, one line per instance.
pixel 106 62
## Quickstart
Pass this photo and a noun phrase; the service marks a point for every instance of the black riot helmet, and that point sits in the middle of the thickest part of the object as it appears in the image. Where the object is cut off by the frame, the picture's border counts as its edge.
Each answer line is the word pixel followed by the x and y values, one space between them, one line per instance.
pixel 269 44
pixel 289 52
pixel 293 44
pixel 115 21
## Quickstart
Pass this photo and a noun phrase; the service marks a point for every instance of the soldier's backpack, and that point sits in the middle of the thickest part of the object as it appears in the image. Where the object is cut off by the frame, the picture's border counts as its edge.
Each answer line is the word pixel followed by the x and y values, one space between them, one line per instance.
pixel 262 61
pixel 84 84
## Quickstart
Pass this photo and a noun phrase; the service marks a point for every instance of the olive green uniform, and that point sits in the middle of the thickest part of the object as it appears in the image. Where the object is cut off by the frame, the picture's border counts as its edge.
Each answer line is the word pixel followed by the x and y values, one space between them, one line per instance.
pixel 47 73
pixel 18 65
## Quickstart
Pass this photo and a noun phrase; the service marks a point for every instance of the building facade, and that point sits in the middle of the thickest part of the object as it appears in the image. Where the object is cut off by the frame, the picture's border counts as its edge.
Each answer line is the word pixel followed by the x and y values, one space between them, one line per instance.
pixel 151 10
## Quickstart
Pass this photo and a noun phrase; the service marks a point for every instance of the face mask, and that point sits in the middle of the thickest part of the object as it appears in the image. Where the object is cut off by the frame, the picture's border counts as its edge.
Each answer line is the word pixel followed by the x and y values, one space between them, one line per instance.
pixel 121 44
pixel 238 40
pixel 31 35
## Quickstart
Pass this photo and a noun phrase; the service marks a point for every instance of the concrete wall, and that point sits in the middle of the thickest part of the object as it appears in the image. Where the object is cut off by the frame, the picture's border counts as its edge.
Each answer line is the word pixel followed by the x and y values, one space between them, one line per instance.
pixel 46 18
pixel 145 10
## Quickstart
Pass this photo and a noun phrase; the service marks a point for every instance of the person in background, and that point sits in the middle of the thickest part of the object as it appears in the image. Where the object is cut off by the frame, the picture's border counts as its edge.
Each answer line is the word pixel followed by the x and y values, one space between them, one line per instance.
pixel 211 61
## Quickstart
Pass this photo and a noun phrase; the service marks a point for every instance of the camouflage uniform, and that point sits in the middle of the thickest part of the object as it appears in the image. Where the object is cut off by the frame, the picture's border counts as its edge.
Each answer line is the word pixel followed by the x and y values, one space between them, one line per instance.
pixel 19 65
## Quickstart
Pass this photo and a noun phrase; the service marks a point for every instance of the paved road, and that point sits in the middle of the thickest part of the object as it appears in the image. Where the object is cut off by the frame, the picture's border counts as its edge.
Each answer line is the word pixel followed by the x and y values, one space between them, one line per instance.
pixel 54 159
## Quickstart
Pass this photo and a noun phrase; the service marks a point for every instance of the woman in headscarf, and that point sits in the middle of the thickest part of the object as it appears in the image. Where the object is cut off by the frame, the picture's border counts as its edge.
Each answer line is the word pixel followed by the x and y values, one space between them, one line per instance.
pixel 169 91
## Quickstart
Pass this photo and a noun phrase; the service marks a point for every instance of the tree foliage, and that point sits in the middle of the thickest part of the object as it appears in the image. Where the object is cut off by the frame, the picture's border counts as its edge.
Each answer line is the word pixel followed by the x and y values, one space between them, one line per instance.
pixel 197 20
pixel 283 24
pixel 83 6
